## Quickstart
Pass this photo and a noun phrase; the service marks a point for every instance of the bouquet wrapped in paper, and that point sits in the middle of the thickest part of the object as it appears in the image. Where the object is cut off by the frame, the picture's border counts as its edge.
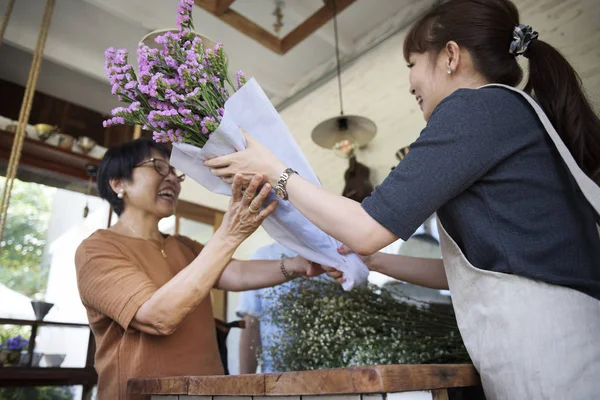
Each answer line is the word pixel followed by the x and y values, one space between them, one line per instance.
pixel 182 94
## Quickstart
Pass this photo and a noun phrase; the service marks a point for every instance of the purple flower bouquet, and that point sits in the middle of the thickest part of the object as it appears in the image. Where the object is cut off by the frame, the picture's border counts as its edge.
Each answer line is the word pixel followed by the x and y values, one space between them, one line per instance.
pixel 182 94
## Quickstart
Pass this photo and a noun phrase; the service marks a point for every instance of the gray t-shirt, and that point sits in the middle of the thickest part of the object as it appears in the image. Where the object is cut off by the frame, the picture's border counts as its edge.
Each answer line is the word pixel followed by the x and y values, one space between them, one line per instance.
pixel 488 168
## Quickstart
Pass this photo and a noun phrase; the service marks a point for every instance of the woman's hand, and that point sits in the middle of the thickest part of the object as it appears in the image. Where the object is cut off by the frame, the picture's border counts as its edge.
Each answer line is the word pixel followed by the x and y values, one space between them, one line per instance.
pixel 337 275
pixel 244 215
pixel 345 250
pixel 255 159
pixel 302 267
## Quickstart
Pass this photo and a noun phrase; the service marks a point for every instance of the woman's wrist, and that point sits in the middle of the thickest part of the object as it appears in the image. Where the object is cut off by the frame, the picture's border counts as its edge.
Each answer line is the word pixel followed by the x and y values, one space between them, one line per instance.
pixel 226 238
pixel 290 268
pixel 373 262
pixel 275 173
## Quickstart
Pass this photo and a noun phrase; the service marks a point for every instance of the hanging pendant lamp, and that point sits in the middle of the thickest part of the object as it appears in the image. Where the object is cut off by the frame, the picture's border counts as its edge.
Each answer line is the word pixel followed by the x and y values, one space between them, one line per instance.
pixel 344 133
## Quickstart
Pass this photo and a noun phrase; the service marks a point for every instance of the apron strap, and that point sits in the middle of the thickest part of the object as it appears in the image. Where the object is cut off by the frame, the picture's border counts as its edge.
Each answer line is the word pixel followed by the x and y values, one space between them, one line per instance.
pixel 588 187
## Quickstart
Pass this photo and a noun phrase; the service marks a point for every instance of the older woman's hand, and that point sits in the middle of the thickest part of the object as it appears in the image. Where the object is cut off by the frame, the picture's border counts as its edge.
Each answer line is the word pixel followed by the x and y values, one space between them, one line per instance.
pixel 255 159
pixel 244 215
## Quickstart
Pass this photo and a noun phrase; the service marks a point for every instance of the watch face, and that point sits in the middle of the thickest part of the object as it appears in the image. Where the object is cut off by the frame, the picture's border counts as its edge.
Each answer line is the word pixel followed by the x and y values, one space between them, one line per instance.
pixel 280 193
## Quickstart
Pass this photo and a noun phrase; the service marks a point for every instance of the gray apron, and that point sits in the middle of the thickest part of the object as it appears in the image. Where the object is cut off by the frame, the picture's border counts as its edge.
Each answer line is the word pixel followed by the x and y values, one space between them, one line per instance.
pixel 528 339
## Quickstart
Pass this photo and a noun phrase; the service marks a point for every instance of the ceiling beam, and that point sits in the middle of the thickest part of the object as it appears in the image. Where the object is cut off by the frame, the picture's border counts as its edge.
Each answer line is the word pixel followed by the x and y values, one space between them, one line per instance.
pixel 241 23
pixel 314 22
pixel 300 12
pixel 208 5
pixel 220 9
pixel 222 6
pixel 252 30
pixel 216 7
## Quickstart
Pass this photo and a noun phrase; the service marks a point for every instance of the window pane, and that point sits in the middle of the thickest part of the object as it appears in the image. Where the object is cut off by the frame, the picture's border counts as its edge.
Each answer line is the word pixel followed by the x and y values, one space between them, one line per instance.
pixel 198 231
pixel 63 347
pixel 44 227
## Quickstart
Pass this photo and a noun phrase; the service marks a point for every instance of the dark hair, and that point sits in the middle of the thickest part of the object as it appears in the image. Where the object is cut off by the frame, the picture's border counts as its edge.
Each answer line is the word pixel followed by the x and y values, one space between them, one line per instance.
pixel 485 29
pixel 118 163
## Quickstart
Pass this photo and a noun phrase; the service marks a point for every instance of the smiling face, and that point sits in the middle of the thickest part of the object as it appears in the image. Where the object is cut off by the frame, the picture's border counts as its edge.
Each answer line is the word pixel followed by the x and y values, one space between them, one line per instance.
pixel 433 77
pixel 429 81
pixel 148 190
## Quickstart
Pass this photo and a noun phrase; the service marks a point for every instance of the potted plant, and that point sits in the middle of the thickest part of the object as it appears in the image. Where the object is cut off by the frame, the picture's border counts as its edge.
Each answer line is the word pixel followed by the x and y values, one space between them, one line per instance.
pixel 10 350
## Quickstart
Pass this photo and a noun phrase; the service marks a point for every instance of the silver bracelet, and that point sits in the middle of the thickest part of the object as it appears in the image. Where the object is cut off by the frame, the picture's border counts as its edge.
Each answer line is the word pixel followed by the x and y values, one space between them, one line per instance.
pixel 283 270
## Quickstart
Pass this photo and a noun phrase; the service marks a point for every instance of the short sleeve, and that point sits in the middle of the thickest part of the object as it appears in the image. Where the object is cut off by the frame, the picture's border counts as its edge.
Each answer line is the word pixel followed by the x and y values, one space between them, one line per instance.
pixel 456 148
pixel 250 304
pixel 109 282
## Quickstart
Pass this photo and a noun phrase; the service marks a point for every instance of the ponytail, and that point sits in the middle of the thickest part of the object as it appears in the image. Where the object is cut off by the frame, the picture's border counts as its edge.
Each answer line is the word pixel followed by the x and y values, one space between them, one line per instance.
pixel 557 88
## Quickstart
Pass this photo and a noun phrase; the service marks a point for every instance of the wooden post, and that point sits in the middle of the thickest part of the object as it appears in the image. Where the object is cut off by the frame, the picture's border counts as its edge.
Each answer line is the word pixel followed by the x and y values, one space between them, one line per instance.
pixel 5 19
pixel 137 132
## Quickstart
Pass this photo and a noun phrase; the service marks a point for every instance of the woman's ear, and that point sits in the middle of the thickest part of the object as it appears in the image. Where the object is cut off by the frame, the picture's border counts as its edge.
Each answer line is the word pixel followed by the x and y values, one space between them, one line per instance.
pixel 451 56
pixel 117 185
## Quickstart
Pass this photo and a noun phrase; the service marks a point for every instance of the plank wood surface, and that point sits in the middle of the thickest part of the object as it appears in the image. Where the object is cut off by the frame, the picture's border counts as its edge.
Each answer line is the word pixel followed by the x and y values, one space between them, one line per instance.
pixel 371 379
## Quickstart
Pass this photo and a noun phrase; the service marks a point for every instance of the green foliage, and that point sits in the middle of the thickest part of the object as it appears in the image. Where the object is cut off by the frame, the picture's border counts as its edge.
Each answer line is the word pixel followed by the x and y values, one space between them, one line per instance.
pixel 8 331
pixel 322 326
pixel 24 238
pixel 37 393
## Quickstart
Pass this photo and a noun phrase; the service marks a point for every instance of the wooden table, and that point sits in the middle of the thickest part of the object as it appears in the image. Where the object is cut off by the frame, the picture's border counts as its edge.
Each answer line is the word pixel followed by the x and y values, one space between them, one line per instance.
pixel 391 382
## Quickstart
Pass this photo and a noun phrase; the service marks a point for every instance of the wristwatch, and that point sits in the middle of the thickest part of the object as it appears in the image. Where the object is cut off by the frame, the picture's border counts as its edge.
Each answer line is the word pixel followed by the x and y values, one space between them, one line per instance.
pixel 280 187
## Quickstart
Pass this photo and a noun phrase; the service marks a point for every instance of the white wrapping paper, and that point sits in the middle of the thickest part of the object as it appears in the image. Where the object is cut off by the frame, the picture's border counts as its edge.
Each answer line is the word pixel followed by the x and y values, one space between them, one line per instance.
pixel 250 109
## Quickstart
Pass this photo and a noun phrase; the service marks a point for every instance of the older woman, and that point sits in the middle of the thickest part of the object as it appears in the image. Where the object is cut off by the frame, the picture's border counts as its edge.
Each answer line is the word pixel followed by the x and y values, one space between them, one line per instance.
pixel 147 294
pixel 514 182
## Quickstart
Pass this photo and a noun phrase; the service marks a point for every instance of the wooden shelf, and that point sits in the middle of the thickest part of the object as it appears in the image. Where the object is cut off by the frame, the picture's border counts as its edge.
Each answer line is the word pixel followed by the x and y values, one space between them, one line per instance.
pixel 28 322
pixel 23 376
pixel 46 164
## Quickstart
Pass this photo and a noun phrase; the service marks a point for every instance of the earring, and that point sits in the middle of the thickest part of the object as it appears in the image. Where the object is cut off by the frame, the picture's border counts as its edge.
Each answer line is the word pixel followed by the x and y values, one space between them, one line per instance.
pixel 449 71
pixel 121 194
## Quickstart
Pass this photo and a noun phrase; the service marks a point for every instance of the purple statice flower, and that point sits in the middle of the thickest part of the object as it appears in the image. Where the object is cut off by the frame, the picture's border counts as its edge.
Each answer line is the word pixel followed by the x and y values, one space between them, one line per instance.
pixel 173 97
pixel 121 57
pixel 179 133
pixel 113 121
pixel 197 46
pixel 159 136
pixel 184 15
pixel 240 78
pixel 131 85
pixel 171 62
pixel 184 111
pixel 209 124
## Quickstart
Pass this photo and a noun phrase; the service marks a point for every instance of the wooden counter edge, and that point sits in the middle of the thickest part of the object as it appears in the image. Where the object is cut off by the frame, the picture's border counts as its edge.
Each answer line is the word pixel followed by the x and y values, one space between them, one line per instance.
pixel 369 379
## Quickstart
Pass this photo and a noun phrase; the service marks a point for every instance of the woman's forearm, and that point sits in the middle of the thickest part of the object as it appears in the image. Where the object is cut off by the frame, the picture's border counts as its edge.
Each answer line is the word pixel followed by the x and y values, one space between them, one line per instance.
pixel 255 274
pixel 338 216
pixel 172 302
pixel 427 272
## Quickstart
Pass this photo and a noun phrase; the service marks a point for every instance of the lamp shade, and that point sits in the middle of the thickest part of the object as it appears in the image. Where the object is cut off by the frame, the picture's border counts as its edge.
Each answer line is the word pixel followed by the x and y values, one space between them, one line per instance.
pixel 354 128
